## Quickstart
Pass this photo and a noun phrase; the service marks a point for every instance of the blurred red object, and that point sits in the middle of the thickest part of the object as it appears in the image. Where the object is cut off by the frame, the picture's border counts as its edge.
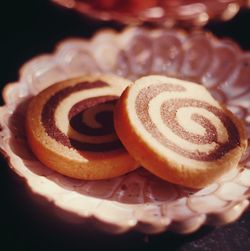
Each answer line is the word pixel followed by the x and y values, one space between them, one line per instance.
pixel 164 12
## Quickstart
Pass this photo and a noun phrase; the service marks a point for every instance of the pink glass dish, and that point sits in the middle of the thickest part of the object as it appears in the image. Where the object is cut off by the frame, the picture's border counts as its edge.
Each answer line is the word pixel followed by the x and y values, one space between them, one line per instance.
pixel 138 200
pixel 163 12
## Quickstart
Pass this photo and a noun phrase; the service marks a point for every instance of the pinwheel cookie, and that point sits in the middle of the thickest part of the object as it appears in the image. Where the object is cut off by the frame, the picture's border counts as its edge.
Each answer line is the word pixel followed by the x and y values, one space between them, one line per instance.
pixel 70 128
pixel 178 131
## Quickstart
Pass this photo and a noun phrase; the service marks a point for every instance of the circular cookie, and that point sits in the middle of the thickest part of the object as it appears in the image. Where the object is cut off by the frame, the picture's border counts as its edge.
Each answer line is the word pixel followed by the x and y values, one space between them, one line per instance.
pixel 70 128
pixel 177 130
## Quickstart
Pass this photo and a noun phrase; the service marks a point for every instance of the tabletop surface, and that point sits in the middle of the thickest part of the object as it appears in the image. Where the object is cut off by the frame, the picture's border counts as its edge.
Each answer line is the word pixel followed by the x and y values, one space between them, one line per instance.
pixel 28 29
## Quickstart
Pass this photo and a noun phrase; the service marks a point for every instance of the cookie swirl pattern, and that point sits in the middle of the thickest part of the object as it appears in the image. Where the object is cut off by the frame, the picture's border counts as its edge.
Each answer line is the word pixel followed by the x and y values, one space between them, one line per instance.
pixel 89 121
pixel 183 134
pixel 70 128
pixel 200 113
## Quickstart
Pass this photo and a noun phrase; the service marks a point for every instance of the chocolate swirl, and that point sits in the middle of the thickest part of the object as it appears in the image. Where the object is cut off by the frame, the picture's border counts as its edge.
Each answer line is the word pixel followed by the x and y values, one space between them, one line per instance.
pixel 91 118
pixel 168 112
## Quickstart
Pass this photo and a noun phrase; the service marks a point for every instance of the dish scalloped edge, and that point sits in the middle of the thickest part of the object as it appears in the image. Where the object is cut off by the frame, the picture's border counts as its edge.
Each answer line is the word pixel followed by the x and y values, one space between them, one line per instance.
pixel 191 224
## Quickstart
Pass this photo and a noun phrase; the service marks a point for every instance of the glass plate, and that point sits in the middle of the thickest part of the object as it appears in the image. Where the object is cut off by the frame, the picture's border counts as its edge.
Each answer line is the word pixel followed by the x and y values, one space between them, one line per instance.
pixel 138 200
pixel 163 12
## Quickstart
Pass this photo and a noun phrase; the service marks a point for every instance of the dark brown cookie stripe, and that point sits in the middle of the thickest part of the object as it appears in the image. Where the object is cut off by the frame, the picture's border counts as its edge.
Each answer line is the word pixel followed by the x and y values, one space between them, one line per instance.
pixel 100 118
pixel 168 111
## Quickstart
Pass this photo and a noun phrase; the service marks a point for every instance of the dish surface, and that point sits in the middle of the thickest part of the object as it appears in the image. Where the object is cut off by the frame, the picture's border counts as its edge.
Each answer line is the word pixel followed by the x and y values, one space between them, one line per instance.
pixel 138 200
pixel 167 13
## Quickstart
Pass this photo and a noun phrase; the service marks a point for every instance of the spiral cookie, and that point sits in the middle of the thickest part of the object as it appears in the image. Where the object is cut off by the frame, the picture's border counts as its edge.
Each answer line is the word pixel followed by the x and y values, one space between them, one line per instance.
pixel 177 130
pixel 70 128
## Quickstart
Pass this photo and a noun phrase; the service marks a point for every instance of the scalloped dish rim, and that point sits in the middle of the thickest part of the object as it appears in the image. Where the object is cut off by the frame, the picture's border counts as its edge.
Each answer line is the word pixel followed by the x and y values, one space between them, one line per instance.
pixel 189 225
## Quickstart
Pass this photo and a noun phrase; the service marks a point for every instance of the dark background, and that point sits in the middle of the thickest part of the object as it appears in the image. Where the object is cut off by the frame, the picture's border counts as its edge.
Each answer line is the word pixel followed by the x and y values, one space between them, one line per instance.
pixel 28 28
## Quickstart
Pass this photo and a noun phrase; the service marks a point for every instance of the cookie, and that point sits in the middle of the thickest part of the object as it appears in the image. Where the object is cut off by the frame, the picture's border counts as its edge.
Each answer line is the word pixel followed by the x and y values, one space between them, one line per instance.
pixel 178 131
pixel 70 128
